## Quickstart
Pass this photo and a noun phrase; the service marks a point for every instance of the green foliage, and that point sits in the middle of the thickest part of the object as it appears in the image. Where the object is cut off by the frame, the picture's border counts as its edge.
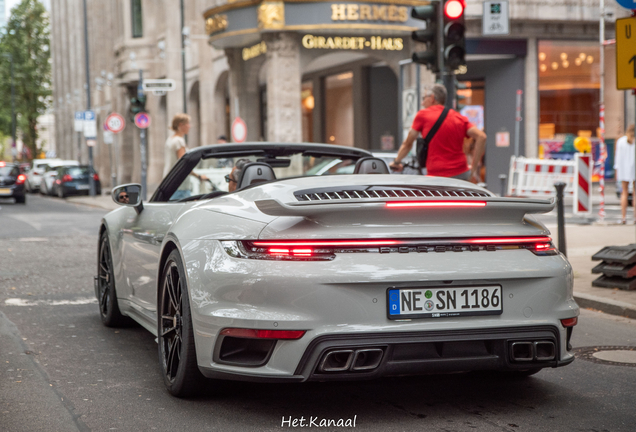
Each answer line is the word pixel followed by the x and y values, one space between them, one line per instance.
pixel 26 40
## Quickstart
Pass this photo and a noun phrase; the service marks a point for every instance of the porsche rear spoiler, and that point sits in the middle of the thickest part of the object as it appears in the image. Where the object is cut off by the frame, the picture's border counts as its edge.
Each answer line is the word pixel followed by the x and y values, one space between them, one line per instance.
pixel 448 210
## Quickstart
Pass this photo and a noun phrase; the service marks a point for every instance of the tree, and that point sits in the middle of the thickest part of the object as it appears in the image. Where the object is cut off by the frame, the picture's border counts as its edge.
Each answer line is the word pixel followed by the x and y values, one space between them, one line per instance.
pixel 26 39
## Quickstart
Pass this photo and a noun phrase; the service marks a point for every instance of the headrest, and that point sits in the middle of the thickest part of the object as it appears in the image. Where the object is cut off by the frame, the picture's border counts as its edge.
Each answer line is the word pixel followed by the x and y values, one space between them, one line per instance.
pixel 371 165
pixel 255 172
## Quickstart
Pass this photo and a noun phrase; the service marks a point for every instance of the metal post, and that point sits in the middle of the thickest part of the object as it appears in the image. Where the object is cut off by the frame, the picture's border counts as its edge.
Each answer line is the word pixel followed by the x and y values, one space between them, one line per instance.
pixel 518 122
pixel 560 186
pixel 183 61
pixel 602 149
pixel 400 107
pixel 13 119
pixel 91 180
pixel 502 179
pixel 144 142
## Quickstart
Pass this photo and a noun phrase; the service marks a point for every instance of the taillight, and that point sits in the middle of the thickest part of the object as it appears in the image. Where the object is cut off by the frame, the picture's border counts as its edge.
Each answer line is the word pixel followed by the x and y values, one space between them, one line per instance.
pixel 263 334
pixel 67 178
pixel 569 322
pixel 95 177
pixel 326 250
pixel 21 179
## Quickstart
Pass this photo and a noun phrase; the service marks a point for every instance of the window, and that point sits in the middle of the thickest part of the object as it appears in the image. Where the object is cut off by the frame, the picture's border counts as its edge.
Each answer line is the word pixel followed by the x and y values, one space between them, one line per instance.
pixel 136 18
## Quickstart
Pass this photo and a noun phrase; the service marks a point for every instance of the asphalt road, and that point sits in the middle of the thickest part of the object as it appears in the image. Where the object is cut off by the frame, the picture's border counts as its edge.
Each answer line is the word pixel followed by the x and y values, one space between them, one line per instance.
pixel 61 370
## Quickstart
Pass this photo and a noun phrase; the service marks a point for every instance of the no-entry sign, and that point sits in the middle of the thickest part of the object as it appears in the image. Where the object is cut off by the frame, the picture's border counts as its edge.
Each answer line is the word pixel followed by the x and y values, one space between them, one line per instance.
pixel 239 130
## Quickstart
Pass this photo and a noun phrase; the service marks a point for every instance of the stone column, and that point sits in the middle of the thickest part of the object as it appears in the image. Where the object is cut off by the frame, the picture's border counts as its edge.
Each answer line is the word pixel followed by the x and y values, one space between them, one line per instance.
pixel 284 115
pixel 530 112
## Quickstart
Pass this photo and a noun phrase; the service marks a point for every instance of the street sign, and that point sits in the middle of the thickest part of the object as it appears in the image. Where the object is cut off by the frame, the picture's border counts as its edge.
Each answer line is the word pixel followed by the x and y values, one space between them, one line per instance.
pixel 626 53
pixel 239 130
pixel 159 84
pixel 78 123
pixel 142 120
pixel 90 125
pixel 91 142
pixel 495 19
pixel 108 137
pixel 115 123
pixel 627 4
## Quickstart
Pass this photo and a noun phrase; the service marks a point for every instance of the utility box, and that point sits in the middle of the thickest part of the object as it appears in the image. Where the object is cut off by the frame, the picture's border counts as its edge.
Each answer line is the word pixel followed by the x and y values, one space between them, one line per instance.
pixel 617 269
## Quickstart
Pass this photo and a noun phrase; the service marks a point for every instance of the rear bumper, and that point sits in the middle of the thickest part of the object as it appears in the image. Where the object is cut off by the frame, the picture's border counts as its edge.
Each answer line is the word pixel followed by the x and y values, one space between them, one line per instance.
pixel 14 191
pixel 416 353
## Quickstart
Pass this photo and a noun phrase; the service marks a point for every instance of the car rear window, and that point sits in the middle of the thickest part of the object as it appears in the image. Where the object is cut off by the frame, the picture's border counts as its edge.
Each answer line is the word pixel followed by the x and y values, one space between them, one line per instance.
pixel 77 171
pixel 9 171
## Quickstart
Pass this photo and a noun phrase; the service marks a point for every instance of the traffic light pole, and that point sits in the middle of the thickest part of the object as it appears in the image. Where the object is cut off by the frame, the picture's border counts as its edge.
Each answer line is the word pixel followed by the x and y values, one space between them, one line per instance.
pixel 144 140
pixel 91 180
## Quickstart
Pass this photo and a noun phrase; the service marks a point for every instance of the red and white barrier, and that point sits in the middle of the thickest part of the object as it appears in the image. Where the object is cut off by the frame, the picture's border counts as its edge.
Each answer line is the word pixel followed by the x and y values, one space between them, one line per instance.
pixel 536 178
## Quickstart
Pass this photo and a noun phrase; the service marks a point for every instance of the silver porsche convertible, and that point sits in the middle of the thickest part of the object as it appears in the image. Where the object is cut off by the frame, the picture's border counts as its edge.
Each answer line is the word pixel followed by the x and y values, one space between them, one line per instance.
pixel 262 262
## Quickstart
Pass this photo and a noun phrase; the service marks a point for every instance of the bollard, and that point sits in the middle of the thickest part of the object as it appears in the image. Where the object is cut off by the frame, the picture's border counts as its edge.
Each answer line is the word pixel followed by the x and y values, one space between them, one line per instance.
pixel 560 186
pixel 502 179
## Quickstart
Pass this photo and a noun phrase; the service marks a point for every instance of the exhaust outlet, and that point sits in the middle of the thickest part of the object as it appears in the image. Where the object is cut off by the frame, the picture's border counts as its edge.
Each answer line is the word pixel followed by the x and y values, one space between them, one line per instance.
pixel 544 350
pixel 522 351
pixel 367 359
pixel 337 361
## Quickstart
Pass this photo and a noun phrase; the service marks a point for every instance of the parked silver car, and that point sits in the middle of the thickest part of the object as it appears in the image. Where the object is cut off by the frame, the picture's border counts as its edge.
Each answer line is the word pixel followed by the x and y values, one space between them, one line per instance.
pixel 293 277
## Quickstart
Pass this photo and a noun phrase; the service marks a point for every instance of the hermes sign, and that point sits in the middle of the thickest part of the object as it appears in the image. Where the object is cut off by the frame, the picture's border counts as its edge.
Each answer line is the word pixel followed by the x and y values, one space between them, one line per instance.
pixel 362 12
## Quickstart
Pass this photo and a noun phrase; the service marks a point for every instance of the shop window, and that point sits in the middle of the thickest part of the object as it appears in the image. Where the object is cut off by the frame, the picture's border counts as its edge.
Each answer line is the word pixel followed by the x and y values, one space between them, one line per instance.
pixel 136 17
pixel 339 109
pixel 569 89
pixel 307 106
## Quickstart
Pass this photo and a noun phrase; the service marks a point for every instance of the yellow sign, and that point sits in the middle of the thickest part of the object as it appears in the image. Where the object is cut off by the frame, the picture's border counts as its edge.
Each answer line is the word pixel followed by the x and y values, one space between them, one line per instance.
pixel 378 43
pixel 626 53
pixel 254 51
pixel 355 12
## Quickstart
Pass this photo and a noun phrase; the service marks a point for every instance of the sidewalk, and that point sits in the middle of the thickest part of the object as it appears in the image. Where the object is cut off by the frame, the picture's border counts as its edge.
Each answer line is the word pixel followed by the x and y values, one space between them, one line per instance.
pixel 582 241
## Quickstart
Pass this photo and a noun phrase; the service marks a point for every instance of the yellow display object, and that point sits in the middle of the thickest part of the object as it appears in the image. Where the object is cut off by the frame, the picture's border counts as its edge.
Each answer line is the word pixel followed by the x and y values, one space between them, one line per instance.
pixel 583 145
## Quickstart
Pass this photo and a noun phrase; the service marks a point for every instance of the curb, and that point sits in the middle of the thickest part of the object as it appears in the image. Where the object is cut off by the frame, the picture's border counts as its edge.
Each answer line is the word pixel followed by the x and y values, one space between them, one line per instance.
pixel 611 307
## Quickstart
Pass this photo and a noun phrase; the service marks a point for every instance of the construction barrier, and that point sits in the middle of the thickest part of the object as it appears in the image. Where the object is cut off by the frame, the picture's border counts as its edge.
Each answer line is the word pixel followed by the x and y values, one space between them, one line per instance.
pixel 536 178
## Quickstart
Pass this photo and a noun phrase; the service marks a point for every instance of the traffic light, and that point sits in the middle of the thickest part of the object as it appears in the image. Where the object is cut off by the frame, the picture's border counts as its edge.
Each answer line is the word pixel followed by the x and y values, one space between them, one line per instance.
pixel 137 105
pixel 429 14
pixel 454 34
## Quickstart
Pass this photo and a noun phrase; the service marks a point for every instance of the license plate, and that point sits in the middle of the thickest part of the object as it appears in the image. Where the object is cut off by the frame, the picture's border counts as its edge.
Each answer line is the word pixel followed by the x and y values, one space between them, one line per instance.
pixel 444 302
pixel 82 187
pixel 5 191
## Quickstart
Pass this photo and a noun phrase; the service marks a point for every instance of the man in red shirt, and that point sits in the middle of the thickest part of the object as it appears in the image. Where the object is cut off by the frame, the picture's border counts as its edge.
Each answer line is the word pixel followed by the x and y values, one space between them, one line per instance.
pixel 446 157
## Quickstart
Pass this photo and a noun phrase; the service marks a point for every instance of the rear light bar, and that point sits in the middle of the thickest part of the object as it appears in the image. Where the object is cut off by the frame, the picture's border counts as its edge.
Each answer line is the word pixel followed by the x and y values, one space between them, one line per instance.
pixel 67 178
pixel 263 334
pixel 325 250
pixel 411 204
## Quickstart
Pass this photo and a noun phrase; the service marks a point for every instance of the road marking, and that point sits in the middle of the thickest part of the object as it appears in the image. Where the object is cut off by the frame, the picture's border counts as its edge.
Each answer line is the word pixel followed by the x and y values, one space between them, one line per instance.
pixel 33 239
pixel 23 302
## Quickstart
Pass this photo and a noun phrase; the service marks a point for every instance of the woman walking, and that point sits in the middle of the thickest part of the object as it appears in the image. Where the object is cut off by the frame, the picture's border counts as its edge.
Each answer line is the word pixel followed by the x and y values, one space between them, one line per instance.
pixel 625 166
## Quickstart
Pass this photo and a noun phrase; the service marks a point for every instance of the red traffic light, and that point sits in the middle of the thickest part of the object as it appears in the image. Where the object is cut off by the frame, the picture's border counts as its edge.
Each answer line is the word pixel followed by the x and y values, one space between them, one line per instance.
pixel 454 9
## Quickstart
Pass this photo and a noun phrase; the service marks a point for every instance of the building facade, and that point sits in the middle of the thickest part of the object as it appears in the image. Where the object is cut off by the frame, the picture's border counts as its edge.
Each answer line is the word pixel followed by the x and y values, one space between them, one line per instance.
pixel 317 71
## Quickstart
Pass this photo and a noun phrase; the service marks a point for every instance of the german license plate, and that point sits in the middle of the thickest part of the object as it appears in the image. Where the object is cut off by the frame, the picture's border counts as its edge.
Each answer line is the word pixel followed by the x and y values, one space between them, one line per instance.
pixel 5 191
pixel 82 187
pixel 444 302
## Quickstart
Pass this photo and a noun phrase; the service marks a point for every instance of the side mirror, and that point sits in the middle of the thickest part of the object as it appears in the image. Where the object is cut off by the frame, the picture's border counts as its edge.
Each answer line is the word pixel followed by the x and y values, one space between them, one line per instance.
pixel 128 195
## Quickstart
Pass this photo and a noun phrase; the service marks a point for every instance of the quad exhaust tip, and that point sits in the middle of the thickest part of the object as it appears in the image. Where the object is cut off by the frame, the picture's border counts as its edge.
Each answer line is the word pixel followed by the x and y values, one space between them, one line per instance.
pixel 528 351
pixel 351 359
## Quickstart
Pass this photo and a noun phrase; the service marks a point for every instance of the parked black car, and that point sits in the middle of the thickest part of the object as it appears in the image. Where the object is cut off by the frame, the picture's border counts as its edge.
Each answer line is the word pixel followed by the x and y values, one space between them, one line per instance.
pixel 74 180
pixel 12 182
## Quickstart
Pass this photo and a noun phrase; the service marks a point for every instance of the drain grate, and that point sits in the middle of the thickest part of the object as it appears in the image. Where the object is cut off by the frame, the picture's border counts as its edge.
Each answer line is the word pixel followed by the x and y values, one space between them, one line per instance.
pixel 608 355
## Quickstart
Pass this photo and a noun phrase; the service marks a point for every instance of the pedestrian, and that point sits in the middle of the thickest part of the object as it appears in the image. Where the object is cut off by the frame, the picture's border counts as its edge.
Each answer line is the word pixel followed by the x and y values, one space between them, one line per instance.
pixel 176 145
pixel 446 157
pixel 222 139
pixel 625 167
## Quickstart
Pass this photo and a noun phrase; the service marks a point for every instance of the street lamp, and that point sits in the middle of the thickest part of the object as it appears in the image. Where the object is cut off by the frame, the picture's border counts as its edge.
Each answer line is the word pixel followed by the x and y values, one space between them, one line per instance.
pixel 13 144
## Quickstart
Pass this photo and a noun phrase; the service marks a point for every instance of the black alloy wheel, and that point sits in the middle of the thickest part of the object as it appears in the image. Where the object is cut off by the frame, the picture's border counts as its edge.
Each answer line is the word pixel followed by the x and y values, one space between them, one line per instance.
pixel 106 293
pixel 177 353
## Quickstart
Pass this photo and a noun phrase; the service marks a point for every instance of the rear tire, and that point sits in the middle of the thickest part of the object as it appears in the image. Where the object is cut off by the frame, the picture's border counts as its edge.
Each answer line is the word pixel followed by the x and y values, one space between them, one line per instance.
pixel 60 192
pixel 106 292
pixel 20 199
pixel 177 351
